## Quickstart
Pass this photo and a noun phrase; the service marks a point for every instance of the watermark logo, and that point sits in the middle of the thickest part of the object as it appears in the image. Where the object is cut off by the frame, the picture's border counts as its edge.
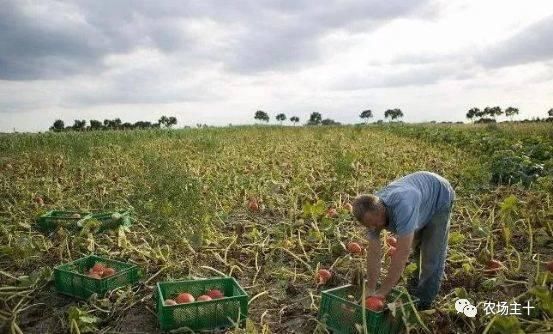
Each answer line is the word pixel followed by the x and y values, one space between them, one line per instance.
pixel 464 306
pixel 500 308
pixel 504 308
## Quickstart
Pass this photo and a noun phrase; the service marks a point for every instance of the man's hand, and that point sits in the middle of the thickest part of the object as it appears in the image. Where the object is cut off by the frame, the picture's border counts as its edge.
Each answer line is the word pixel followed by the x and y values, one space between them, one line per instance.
pixel 397 264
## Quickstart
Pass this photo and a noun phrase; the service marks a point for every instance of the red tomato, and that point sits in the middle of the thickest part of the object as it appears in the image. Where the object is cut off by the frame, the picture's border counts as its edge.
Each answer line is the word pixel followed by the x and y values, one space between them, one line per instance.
pixel 98 268
pixel 391 251
pixel 108 272
pixel 184 297
pixel 169 302
pixel 323 276
pixel 215 294
pixel 331 213
pixel 549 266
pixel 39 201
pixel 493 267
pixel 354 248
pixel 253 205
pixel 203 298
pixel 94 275
pixel 374 303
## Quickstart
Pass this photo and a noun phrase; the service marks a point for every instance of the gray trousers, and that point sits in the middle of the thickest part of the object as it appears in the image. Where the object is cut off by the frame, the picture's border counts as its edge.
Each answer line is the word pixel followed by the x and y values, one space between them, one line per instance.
pixel 430 251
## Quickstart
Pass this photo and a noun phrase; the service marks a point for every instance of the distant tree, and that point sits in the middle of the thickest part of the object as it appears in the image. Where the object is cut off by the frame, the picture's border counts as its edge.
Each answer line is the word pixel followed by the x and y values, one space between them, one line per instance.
pixel 550 112
pixel 142 125
pixel 127 126
pixel 172 121
pixel 117 123
pixel 95 125
pixel 485 120
pixel 164 120
pixel 492 112
pixel 328 121
pixel 58 126
pixel 167 122
pixel 472 113
pixel 112 124
pixel 393 114
pixel 366 114
pixel 79 125
pixel 315 119
pixel 294 119
pixel 261 115
pixel 280 118
pixel 510 112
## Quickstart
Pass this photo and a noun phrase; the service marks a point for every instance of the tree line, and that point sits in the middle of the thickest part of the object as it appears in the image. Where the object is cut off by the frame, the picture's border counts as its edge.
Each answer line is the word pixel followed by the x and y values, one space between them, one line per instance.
pixel 317 119
pixel 112 124
pixel 488 114
pixel 485 115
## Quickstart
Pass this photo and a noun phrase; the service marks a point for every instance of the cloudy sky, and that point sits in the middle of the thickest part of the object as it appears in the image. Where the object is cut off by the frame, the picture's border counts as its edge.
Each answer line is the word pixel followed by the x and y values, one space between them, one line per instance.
pixel 216 62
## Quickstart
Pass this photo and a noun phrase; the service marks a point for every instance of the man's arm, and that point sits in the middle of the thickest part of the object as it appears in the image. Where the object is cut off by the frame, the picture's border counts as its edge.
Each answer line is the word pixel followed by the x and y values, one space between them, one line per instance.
pixel 374 256
pixel 397 264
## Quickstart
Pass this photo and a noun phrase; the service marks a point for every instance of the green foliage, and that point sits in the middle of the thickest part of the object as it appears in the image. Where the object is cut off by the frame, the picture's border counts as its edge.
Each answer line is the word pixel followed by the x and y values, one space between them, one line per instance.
pixel 393 114
pixel 81 321
pixel 190 191
pixel 343 165
pixel 366 114
pixel 507 167
pixel 506 325
pixel 315 118
pixel 112 124
pixel 314 210
pixel 511 159
pixel 456 238
pixel 261 115
pixel 544 296
pixel 281 117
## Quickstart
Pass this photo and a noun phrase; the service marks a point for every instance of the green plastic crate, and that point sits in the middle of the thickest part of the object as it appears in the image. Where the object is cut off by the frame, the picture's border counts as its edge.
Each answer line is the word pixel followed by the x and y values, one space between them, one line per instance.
pixel 206 315
pixel 341 312
pixel 71 278
pixel 52 220
pixel 107 221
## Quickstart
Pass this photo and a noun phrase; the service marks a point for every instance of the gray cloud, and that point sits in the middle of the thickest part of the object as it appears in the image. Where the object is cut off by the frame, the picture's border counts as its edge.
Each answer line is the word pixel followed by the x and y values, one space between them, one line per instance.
pixel 48 40
pixel 419 75
pixel 287 35
pixel 34 45
pixel 534 43
pixel 145 86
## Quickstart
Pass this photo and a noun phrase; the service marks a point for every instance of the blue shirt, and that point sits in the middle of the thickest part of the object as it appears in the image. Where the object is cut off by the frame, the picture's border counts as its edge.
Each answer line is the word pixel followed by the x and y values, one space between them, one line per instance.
pixel 412 200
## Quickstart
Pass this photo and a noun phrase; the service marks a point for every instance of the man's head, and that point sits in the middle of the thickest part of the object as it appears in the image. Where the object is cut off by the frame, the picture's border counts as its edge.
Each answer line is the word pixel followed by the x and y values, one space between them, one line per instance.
pixel 370 211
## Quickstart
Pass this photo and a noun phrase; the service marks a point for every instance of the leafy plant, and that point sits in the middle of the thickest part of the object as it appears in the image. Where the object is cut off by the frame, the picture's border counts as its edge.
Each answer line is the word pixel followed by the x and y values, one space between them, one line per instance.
pixel 81 321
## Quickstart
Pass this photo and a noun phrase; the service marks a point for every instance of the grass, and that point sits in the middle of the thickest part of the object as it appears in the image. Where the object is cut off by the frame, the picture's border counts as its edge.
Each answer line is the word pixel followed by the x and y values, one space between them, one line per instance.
pixel 189 188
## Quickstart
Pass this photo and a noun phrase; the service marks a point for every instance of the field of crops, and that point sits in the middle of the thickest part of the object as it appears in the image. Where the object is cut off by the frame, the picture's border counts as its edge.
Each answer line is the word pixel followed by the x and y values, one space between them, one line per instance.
pixel 191 193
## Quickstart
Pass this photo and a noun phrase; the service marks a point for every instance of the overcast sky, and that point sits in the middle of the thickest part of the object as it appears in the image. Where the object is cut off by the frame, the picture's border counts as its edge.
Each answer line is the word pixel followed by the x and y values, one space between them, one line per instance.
pixel 217 62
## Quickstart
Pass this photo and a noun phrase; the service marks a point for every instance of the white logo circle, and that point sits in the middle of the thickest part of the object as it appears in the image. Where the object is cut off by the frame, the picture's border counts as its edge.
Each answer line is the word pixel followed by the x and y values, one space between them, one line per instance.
pixel 470 311
pixel 460 304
